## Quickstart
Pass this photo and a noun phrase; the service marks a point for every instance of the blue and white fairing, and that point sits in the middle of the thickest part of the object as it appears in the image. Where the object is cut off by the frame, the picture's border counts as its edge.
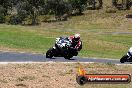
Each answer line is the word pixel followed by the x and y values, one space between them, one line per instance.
pixel 130 52
pixel 62 42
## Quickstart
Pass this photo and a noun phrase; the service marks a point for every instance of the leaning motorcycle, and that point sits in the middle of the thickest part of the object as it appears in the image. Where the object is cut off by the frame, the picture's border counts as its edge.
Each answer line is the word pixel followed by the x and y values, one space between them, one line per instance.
pixel 127 57
pixel 62 48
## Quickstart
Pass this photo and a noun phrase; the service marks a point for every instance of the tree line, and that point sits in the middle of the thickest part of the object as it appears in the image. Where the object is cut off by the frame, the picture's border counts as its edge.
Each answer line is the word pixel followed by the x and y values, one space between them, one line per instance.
pixel 18 11
pixel 34 11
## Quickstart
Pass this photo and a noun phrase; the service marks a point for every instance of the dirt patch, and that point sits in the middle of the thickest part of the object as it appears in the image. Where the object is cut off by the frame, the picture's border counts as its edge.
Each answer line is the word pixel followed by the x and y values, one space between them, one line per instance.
pixel 51 75
pixel 37 76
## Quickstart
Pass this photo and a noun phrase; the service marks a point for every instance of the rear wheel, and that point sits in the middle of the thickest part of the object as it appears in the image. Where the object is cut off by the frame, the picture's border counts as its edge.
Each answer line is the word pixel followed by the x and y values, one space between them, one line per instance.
pixel 49 53
pixel 124 59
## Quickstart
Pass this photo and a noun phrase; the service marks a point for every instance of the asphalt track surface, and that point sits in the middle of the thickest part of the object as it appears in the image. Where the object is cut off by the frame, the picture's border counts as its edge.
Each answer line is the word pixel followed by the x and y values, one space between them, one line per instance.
pixel 28 57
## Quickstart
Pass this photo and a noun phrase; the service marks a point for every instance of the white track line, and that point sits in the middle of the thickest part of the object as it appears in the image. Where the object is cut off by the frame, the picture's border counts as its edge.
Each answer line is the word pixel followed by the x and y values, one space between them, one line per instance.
pixel 30 62
pixel 50 62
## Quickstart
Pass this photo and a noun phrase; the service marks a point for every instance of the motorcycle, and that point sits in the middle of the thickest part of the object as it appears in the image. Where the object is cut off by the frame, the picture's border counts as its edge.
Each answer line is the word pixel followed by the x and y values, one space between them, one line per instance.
pixel 127 57
pixel 62 48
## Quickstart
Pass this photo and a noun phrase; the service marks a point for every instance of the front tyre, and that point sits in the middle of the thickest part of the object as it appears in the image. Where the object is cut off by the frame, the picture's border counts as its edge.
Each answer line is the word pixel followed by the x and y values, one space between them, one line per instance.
pixel 50 53
pixel 124 59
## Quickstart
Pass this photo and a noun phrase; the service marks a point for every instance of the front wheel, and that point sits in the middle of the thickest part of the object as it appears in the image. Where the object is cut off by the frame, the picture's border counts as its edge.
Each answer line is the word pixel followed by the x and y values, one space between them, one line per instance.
pixel 124 59
pixel 49 53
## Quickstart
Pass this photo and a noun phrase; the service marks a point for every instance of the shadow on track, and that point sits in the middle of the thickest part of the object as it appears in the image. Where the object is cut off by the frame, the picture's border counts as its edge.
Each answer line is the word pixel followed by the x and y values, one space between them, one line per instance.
pixel 61 58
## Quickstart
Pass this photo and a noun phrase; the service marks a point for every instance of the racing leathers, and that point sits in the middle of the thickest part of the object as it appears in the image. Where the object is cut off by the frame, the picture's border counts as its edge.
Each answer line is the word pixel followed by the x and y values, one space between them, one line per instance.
pixel 75 44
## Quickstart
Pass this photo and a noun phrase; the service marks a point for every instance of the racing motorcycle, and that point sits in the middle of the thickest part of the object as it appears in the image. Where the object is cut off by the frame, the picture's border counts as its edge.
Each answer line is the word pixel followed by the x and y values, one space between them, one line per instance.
pixel 127 57
pixel 62 48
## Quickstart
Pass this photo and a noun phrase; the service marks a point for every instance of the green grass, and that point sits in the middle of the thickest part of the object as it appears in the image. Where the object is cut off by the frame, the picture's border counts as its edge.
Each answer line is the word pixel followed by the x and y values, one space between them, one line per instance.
pixel 99 33
pixel 31 41
pixel 122 39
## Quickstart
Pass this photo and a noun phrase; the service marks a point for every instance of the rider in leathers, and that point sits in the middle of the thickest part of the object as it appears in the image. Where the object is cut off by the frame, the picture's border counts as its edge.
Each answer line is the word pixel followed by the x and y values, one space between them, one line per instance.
pixel 76 42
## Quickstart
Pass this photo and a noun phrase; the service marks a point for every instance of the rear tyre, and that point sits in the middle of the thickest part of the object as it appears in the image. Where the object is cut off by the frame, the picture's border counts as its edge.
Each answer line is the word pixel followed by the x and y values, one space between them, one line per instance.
pixel 50 53
pixel 124 59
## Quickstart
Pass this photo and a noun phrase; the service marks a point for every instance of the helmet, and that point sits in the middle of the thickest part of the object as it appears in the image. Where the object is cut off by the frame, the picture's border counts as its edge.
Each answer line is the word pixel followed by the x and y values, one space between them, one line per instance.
pixel 76 37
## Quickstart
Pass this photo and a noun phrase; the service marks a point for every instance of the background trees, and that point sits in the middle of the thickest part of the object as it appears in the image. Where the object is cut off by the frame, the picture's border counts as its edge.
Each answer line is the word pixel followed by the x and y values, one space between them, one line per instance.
pixel 19 11
pixel 30 11
pixel 4 6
